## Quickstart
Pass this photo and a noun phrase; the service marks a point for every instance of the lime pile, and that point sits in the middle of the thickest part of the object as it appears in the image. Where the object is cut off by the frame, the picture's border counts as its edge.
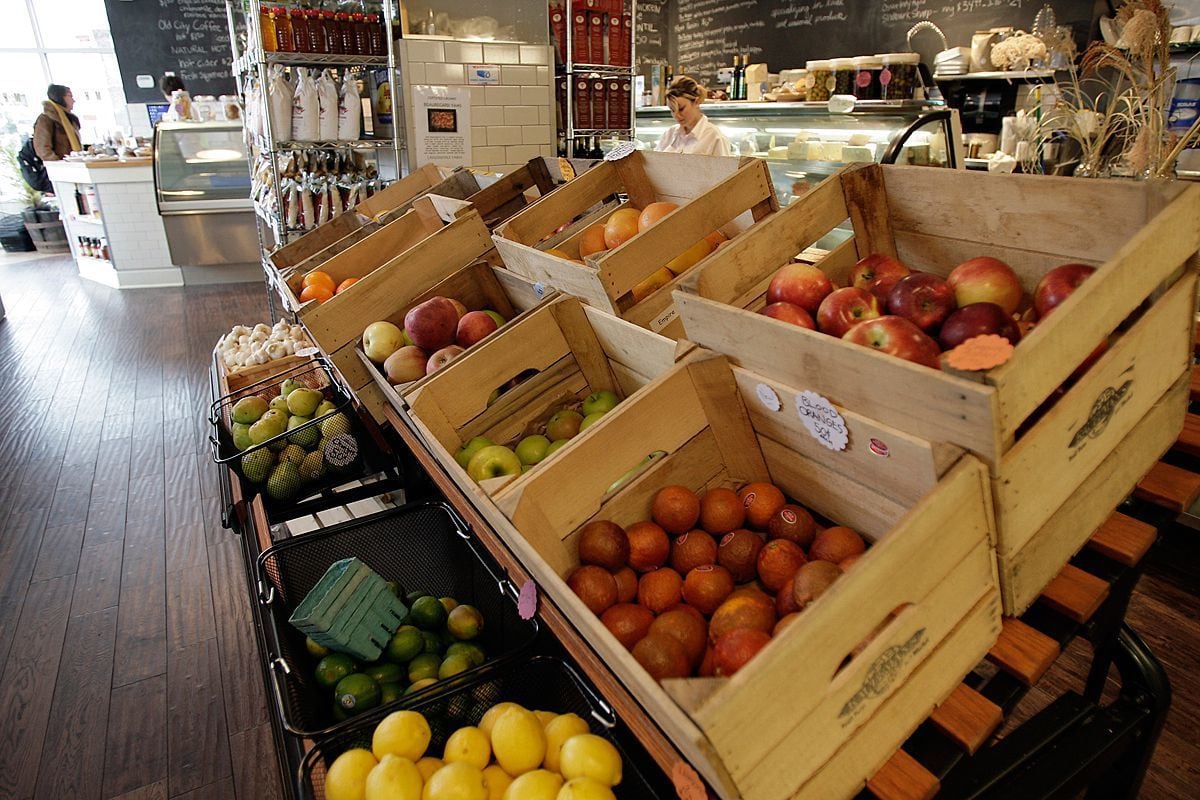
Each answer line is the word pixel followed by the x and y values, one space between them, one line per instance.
pixel 435 642
pixel 512 754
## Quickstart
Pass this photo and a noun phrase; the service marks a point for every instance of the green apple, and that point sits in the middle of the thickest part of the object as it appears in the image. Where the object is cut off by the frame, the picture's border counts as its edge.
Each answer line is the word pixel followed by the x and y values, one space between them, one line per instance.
pixel 532 449
pixel 249 409
pixel 564 424
pixel 601 402
pixel 278 403
pixel 463 456
pixel 590 420
pixel 499 320
pixel 327 407
pixel 241 436
pixel 287 386
pixel 406 339
pixel 555 446
pixel 493 461
pixel 256 466
pixel 303 402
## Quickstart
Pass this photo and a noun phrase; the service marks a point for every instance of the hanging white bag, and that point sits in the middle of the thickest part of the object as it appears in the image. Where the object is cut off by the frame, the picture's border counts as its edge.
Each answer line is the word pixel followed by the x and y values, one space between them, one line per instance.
pixel 305 109
pixel 279 95
pixel 349 110
pixel 327 102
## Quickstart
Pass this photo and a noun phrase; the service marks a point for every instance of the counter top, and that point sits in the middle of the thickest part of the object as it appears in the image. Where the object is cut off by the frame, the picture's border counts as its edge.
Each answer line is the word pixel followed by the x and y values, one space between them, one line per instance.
pixel 101 171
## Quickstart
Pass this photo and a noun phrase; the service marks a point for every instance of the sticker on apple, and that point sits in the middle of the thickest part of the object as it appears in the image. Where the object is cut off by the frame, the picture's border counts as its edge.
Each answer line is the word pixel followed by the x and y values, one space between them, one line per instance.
pixel 527 601
pixel 768 397
pixel 822 420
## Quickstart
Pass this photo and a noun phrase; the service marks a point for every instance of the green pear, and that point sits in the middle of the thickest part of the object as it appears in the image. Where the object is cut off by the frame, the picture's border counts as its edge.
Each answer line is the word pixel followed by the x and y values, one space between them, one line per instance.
pixel 257 465
pixel 279 404
pixel 241 436
pixel 463 456
pixel 312 468
pixel 306 438
pixel 303 402
pixel 284 481
pixel 327 407
pixel 287 386
pixel 249 409
pixel 293 453
pixel 267 428
pixel 335 425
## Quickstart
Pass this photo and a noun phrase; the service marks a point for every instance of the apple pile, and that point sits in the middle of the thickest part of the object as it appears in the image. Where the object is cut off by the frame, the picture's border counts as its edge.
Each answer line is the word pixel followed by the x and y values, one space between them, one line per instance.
pixel 625 223
pixel 435 333
pixel 917 315
pixel 482 458
pixel 708 580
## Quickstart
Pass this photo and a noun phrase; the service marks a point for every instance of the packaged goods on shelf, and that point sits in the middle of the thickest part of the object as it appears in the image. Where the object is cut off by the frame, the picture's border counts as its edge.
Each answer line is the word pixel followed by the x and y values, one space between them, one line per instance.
pixel 316 185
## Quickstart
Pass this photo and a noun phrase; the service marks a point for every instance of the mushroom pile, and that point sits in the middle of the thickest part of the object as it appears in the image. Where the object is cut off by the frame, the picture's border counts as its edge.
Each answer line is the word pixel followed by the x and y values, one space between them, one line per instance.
pixel 246 347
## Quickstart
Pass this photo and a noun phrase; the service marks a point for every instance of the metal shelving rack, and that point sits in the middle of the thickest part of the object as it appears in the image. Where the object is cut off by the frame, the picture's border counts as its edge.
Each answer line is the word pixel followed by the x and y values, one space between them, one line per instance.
pixel 255 60
pixel 571 68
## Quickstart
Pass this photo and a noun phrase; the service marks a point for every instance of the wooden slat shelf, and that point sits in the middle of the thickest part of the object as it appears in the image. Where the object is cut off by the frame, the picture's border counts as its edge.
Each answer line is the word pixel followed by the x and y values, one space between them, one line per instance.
pixel 903 778
pixel 1023 651
pixel 1123 539
pixel 1195 384
pixel 1075 594
pixel 967 718
pixel 1169 487
pixel 1189 439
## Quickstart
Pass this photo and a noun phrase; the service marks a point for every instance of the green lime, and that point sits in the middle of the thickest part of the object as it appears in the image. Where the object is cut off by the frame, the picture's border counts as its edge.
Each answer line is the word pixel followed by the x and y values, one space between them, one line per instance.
pixel 333 668
pixel 390 693
pixel 357 693
pixel 386 672
pixel 423 666
pixel 338 713
pixel 470 649
pixel 434 643
pixel 428 613
pixel 395 588
pixel 453 665
pixel 406 644
pixel 419 685
pixel 448 603
pixel 414 596
pixel 314 649
pixel 465 622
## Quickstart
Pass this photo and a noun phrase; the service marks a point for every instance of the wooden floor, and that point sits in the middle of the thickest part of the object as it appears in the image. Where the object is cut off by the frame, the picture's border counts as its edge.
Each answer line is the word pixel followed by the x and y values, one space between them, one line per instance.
pixel 126 653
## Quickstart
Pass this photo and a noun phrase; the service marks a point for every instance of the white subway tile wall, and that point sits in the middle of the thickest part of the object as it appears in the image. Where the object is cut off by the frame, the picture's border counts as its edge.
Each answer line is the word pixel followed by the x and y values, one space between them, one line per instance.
pixel 535 54
pixel 503 95
pixel 536 96
pixel 502 54
pixel 518 76
pixel 426 51
pixel 520 115
pixel 449 74
pixel 504 134
pixel 464 52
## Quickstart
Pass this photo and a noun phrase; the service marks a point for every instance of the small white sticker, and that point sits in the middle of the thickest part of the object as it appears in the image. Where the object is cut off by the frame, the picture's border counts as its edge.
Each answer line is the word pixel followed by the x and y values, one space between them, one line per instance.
pixel 664 319
pixel 623 150
pixel 483 75
pixel 539 289
pixel 822 420
pixel 308 351
pixel 768 397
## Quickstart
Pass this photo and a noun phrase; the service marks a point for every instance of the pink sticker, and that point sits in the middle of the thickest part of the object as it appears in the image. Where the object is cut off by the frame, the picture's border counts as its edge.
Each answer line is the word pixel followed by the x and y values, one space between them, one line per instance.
pixel 703 568
pixel 527 601
pixel 726 539
pixel 748 500
pixel 688 785
pixel 885 77
pixel 681 538
pixel 788 515
pixel 879 448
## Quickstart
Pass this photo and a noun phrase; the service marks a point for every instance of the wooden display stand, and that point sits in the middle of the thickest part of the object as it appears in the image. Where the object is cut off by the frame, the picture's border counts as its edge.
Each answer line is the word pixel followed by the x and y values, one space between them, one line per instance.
pixel 1054 468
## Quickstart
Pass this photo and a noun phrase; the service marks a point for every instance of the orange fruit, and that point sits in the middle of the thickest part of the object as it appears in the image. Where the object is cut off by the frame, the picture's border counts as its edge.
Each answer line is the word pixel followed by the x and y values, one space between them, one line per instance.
pixel 622 225
pixel 813 580
pixel 784 622
pixel 794 523
pixel 690 629
pixel 662 656
pixel 344 285
pixel 738 553
pixel 653 213
pixel 660 589
pixel 735 648
pixel 721 511
pixel 785 603
pixel 595 587
pixel 648 546
pixel 319 277
pixel 753 592
pixel 676 509
pixel 604 544
pixel 743 611
pixel 845 564
pixel 628 622
pixel 837 544
pixel 761 501
pixel 316 291
pixel 706 587
pixel 692 549
pixel 777 561
pixel 627 584
pixel 592 241
pixel 707 668
pixel 716 239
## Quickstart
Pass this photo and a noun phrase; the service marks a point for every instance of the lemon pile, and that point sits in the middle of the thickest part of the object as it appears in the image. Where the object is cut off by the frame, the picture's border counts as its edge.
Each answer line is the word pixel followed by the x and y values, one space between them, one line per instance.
pixel 513 754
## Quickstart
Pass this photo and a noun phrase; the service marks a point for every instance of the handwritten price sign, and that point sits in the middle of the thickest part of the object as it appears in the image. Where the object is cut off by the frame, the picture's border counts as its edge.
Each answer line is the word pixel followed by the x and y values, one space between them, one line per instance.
pixel 822 420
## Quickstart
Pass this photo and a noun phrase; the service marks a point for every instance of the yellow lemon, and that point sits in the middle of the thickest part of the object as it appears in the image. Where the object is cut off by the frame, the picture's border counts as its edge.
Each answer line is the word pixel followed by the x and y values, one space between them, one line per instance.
pixel 536 785
pixel 401 733
pixel 590 756
pixel 458 781
pixel 395 778
pixel 518 741
pixel 497 781
pixel 347 776
pixel 585 789
pixel 428 765
pixel 470 745
pixel 544 717
pixel 494 713
pixel 560 729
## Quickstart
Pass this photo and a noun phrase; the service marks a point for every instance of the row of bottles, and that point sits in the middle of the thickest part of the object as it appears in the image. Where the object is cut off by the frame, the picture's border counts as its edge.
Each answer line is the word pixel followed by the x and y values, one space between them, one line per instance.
pixel 92 247
pixel 737 86
pixel 310 30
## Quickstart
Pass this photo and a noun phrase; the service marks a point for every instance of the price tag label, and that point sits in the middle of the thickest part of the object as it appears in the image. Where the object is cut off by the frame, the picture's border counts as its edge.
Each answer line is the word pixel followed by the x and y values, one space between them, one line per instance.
pixel 768 397
pixel 527 600
pixel 688 785
pixel 664 319
pixel 308 351
pixel 623 150
pixel 822 420
pixel 539 289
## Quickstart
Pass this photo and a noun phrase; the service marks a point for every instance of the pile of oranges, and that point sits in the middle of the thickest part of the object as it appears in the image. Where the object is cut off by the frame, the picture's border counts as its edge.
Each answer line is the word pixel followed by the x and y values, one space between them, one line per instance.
pixel 319 286
pixel 703 585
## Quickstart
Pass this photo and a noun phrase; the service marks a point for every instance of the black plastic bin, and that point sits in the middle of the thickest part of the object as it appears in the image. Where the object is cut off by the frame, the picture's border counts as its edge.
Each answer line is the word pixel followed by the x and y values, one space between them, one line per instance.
pixel 541 683
pixel 423 546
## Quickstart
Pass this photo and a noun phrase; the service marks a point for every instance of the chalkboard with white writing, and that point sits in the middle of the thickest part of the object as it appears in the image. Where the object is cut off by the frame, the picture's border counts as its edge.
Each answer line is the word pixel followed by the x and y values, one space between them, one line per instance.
pixel 187 37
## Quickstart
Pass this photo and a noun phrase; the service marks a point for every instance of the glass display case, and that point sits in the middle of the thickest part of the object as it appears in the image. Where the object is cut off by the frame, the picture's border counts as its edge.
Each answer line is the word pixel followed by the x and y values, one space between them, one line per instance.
pixel 804 143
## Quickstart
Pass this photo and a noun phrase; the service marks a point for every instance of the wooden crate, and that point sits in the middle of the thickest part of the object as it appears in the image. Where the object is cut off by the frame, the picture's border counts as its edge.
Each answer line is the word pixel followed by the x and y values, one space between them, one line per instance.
pixel 233 380
pixel 410 278
pixel 575 349
pixel 779 728
pixel 713 193
pixel 1141 236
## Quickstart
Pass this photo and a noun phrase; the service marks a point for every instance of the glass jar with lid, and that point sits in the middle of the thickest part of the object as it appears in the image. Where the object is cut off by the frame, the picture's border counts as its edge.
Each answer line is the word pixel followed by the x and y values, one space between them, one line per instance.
pixel 301 41
pixel 375 45
pixel 843 75
pixel 333 32
pixel 819 79
pixel 283 30
pixel 362 44
pixel 346 31
pixel 898 76
pixel 316 31
pixel 266 28
pixel 866 77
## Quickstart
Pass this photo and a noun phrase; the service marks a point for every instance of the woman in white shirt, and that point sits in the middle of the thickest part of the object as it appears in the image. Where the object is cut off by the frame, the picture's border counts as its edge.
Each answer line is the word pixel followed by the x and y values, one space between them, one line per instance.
pixel 693 133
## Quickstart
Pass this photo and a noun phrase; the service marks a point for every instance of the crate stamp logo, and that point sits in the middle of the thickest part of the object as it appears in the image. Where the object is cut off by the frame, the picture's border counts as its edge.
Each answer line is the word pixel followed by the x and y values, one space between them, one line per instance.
pixel 1106 405
pixel 883 673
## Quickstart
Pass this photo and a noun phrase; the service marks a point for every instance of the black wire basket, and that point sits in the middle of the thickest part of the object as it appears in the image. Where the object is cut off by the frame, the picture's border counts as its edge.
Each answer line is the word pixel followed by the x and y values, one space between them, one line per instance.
pixel 425 547
pixel 541 683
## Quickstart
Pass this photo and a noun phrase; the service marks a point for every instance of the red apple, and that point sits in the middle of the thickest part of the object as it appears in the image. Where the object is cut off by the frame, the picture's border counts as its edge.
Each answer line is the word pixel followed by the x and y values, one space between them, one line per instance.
pixel 986 280
pixel 874 266
pixel 923 299
pixel 845 308
pixel 1057 285
pixel 459 307
pixel 800 284
pixel 789 312
pixel 406 364
pixel 473 327
pixel 433 324
pixel 882 287
pixel 442 357
pixel 898 337
pixel 976 320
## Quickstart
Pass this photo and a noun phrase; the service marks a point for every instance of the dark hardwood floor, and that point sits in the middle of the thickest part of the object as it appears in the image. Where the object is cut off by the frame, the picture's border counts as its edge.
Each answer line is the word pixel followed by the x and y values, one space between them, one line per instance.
pixel 127 656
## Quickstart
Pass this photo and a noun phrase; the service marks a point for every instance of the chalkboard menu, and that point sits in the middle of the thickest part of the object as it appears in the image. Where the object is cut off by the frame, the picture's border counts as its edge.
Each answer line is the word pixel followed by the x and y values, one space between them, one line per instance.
pixel 652 33
pixel 187 37
pixel 705 35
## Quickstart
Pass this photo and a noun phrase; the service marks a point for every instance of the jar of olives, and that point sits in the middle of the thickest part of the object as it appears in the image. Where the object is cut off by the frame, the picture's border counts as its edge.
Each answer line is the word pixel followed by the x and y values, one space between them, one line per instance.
pixel 843 76
pixel 819 80
pixel 898 78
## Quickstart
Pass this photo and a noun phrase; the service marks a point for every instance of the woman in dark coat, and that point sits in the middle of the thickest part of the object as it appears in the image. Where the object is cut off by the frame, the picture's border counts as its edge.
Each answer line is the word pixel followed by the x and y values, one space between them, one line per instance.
pixel 56 130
